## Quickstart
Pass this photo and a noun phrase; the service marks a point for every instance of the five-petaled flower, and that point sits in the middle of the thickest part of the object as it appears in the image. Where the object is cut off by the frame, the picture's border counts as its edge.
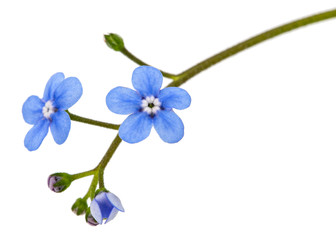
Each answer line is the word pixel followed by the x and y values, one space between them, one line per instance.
pixel 149 106
pixel 105 205
pixel 59 95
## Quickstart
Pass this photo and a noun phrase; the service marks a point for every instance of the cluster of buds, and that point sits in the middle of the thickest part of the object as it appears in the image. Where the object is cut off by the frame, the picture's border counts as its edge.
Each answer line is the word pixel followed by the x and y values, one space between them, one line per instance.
pixel 104 206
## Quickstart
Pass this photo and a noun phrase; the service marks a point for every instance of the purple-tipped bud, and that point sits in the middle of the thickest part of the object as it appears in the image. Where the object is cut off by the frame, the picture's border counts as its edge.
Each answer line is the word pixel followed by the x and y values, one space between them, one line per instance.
pixel 58 182
pixel 89 218
pixel 79 207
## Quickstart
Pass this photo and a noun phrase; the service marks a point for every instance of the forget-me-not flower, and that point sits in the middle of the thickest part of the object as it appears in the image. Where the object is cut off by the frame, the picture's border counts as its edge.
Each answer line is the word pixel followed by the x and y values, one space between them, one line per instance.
pixel 105 205
pixel 59 95
pixel 149 106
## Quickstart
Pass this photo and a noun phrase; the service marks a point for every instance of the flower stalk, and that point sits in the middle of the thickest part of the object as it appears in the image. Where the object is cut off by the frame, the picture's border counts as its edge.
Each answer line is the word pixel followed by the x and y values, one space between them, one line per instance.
pixel 105 160
pixel 179 79
pixel 77 118
pixel 189 73
pixel 83 174
pixel 141 63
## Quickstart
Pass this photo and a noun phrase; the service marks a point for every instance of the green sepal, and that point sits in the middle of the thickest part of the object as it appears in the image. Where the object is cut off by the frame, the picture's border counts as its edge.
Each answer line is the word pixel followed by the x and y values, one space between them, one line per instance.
pixel 114 41
pixel 100 190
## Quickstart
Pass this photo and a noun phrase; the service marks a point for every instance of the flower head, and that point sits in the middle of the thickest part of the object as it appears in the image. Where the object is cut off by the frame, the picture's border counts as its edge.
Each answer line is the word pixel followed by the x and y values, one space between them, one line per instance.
pixel 59 95
pixel 105 205
pixel 149 106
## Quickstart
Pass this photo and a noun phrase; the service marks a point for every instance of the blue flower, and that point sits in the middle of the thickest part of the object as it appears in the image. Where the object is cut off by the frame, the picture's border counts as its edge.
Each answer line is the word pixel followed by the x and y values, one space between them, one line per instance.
pixel 105 205
pixel 59 95
pixel 149 106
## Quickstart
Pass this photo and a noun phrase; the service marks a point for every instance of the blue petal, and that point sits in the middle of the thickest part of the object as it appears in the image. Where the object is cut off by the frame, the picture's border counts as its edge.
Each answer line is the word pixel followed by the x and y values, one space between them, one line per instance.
pixel 115 201
pixel 123 100
pixel 147 81
pixel 32 110
pixel 136 127
pixel 54 81
pixel 174 97
pixel 95 211
pixel 60 126
pixel 36 134
pixel 169 126
pixel 113 214
pixel 105 205
pixel 68 93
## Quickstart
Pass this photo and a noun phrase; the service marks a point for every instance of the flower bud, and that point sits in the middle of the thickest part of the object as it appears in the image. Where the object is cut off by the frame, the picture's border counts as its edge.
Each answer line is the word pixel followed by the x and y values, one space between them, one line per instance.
pixel 105 206
pixel 114 41
pixel 58 182
pixel 79 207
pixel 89 218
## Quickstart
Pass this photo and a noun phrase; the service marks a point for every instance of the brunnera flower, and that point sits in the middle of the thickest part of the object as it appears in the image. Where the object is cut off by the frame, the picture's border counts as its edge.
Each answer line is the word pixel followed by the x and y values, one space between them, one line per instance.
pixel 149 106
pixel 59 95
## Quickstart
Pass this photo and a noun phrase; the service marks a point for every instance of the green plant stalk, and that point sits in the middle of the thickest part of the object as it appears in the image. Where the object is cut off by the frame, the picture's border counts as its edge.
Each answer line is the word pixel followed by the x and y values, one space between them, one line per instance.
pixel 108 155
pixel 189 73
pixel 141 63
pixel 77 118
pixel 90 193
pixel 83 174
pixel 98 172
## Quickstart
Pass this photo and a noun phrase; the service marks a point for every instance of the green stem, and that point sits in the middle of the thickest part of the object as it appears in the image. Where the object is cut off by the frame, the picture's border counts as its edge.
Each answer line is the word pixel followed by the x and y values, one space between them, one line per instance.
pixel 189 73
pixel 83 174
pixel 77 118
pixel 92 189
pixel 98 172
pixel 140 62
pixel 103 163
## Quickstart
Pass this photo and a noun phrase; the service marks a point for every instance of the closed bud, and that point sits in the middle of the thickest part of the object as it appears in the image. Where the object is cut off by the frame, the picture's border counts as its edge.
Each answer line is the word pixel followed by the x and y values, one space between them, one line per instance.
pixel 58 182
pixel 79 207
pixel 89 218
pixel 114 41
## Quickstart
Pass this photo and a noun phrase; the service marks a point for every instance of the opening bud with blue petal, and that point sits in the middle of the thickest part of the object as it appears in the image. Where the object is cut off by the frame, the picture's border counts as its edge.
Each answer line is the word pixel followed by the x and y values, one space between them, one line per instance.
pixel 105 205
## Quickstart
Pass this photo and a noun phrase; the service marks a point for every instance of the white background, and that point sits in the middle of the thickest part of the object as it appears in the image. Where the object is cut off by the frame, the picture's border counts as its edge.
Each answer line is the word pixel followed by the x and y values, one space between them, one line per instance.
pixel 258 159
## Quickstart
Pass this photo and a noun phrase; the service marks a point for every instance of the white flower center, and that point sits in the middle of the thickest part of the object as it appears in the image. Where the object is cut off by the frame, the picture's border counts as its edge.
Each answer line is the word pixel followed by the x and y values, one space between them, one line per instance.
pixel 151 105
pixel 48 109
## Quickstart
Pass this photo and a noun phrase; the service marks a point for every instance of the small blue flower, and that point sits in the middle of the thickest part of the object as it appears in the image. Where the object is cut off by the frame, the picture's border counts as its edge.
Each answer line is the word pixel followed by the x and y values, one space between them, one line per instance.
pixel 149 106
pixel 105 205
pixel 59 95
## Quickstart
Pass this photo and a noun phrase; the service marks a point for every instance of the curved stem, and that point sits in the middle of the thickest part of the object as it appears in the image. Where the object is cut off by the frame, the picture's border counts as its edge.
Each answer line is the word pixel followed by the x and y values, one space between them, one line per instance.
pixel 140 62
pixel 103 163
pixel 77 118
pixel 189 73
